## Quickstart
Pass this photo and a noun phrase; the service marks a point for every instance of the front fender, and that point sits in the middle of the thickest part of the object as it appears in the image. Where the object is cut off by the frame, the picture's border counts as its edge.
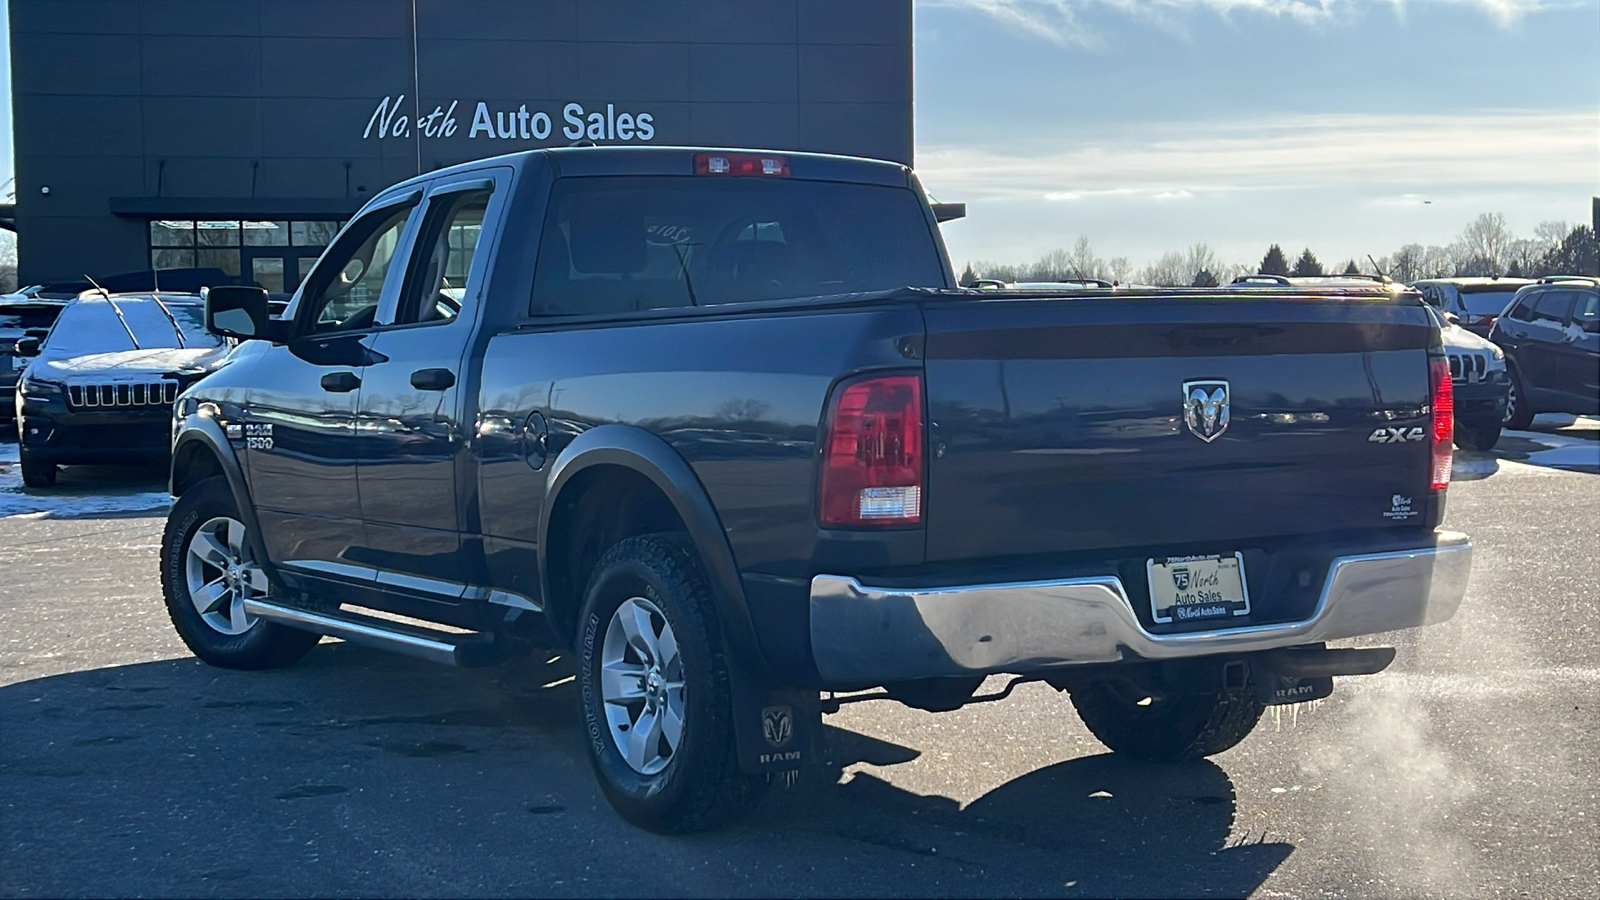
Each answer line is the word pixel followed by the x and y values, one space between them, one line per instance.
pixel 634 448
pixel 195 429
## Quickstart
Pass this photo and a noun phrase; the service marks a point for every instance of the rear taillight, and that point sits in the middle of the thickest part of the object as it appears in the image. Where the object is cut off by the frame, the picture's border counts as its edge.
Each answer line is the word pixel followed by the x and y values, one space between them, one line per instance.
pixel 872 453
pixel 741 164
pixel 1444 421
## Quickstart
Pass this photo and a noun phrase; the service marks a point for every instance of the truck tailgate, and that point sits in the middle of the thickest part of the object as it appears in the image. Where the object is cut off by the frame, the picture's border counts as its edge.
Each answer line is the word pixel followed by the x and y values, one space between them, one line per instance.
pixel 1058 425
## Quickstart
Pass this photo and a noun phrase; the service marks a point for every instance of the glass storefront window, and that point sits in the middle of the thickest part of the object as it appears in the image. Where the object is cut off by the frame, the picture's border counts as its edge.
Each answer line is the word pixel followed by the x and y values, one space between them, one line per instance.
pixel 216 234
pixel 171 258
pixel 218 258
pixel 172 234
pixel 266 234
pixel 313 234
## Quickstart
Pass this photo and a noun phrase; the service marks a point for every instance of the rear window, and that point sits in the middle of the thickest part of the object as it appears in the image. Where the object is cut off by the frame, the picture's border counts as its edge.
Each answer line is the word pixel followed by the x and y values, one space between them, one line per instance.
pixel 1487 302
pixel 625 244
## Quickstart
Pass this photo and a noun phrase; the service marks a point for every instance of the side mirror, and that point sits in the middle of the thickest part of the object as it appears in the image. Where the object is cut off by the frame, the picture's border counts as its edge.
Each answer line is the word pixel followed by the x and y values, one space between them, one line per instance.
pixel 28 346
pixel 238 311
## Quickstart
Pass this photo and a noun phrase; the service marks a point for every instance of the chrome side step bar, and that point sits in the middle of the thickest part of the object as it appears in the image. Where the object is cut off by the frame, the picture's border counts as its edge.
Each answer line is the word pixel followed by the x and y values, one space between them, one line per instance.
pixel 464 650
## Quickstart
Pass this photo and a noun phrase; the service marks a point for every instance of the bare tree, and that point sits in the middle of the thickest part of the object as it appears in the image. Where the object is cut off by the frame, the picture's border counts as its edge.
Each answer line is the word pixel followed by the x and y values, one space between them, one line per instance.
pixel 1487 242
pixel 1082 262
pixel 1407 263
pixel 1170 270
pixel 1119 269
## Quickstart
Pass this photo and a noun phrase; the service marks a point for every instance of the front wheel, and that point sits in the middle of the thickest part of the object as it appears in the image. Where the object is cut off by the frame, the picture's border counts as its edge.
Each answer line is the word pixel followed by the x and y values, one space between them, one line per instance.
pixel 1168 728
pixel 1477 435
pixel 208 571
pixel 658 715
pixel 36 473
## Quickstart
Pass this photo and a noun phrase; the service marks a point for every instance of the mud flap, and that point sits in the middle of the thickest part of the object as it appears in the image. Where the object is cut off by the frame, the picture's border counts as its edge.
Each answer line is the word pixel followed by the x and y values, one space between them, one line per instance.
pixel 777 729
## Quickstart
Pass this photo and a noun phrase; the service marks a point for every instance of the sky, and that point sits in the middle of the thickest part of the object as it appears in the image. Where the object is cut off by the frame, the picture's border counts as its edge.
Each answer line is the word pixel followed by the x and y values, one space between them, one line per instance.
pixel 1347 127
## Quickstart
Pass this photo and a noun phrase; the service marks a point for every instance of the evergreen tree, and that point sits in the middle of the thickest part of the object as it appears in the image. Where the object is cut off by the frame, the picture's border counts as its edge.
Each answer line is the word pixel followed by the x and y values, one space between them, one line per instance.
pixel 1351 268
pixel 1204 278
pixel 1274 262
pixel 1514 270
pixel 1307 265
pixel 968 276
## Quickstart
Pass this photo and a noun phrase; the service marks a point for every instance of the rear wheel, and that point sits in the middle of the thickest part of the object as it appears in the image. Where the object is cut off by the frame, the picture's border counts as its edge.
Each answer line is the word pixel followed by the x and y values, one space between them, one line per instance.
pixel 208 571
pixel 37 473
pixel 1519 412
pixel 1477 435
pixel 658 715
pixel 1169 728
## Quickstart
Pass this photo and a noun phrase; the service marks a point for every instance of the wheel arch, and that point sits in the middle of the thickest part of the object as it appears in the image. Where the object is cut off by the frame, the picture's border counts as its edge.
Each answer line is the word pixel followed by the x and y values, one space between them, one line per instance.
pixel 625 481
pixel 200 451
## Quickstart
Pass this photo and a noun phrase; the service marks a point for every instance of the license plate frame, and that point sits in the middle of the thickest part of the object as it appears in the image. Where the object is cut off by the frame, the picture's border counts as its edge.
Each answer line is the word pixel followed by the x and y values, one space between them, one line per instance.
pixel 1187 583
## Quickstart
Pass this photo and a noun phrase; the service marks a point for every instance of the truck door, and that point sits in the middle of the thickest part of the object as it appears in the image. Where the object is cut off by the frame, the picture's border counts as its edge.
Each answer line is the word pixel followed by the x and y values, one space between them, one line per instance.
pixel 299 425
pixel 411 410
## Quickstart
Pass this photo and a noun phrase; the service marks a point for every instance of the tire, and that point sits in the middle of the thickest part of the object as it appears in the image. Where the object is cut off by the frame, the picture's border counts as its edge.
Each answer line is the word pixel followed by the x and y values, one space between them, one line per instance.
pixel 1168 729
pixel 649 621
pixel 205 539
pixel 1477 435
pixel 35 472
pixel 1519 412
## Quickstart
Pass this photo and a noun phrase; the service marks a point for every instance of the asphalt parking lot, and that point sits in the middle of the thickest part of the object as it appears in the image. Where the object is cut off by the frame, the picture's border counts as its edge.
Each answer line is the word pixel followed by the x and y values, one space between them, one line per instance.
pixel 127 768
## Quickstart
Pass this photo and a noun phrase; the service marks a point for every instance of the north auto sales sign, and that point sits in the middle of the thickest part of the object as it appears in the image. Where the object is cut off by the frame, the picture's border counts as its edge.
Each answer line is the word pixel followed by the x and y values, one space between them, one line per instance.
pixel 573 122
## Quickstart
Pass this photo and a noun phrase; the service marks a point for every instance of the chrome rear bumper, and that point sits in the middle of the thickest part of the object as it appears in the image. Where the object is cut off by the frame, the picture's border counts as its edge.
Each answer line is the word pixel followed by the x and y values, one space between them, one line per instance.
pixel 863 636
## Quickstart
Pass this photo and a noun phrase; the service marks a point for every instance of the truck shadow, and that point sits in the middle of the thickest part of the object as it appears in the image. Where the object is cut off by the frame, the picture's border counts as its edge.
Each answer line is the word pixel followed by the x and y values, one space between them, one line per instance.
pixel 357 772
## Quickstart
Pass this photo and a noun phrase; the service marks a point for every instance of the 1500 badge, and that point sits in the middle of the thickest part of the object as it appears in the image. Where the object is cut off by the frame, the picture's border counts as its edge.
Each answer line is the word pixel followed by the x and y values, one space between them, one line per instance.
pixel 1395 435
pixel 258 437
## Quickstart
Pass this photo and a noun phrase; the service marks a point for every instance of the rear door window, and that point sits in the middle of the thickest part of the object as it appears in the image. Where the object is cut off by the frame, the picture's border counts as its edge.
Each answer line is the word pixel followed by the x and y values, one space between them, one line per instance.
pixel 1553 307
pixel 1586 313
pixel 1487 302
pixel 624 244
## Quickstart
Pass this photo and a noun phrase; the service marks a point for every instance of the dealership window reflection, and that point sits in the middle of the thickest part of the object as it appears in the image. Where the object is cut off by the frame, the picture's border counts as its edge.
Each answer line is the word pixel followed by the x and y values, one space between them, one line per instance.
pixel 223 244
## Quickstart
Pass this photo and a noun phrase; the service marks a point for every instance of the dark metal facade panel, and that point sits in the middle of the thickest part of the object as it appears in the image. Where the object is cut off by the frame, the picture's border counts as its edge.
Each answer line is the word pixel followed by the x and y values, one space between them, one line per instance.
pixel 204 65
pixel 55 63
pixel 285 101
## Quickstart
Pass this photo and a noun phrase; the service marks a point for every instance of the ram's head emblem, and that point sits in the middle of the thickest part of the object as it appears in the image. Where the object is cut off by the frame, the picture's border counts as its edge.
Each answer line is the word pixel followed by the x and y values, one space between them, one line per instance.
pixel 1205 408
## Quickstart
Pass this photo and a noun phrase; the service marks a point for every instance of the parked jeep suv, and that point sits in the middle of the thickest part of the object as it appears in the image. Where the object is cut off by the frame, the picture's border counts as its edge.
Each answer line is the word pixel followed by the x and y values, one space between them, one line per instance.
pixel 1551 336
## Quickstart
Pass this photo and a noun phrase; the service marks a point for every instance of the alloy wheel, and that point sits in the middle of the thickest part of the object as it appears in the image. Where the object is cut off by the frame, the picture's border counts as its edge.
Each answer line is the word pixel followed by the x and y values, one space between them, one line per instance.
pixel 220 573
pixel 641 685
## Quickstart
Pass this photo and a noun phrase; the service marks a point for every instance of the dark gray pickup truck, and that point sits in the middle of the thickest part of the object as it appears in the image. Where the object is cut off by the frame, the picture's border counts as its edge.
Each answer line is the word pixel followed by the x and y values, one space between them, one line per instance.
pixel 721 423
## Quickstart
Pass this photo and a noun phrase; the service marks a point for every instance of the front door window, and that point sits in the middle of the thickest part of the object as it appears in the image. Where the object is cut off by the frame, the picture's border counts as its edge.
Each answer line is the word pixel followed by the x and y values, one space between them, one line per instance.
pixel 344 297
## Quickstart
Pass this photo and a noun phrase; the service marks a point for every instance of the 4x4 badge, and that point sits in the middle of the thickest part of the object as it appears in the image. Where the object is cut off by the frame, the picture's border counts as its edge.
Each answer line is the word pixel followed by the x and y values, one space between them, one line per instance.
pixel 1205 408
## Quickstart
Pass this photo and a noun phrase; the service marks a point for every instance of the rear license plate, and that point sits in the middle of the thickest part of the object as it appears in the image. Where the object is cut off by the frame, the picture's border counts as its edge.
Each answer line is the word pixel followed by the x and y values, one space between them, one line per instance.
pixel 1197 588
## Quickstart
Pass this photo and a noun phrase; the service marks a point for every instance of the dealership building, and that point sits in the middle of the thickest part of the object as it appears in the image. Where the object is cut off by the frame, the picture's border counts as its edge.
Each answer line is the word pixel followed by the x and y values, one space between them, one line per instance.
pixel 239 134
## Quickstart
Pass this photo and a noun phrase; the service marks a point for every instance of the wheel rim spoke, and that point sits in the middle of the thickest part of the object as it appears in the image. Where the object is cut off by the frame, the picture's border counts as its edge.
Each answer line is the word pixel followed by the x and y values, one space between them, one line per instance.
pixel 210 550
pixel 667 647
pixel 209 597
pixel 236 616
pixel 636 624
pixel 621 682
pixel 671 719
pixel 643 739
pixel 256 578
pixel 235 537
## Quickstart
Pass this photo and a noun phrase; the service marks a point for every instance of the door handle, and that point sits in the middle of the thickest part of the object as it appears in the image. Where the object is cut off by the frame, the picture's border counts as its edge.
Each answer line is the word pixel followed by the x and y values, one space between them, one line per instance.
pixel 340 382
pixel 433 379
pixel 1520 334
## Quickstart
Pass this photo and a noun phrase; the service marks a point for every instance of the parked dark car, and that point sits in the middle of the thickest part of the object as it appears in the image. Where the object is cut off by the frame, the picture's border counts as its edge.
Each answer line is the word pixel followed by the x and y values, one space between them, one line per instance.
pixel 21 316
pixel 1551 337
pixel 1475 302
pixel 100 387
pixel 719 424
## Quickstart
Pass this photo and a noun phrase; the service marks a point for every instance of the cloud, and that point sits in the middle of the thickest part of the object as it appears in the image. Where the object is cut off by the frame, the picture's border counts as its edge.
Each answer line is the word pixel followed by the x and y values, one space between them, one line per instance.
pixel 1064 22
pixel 1174 160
